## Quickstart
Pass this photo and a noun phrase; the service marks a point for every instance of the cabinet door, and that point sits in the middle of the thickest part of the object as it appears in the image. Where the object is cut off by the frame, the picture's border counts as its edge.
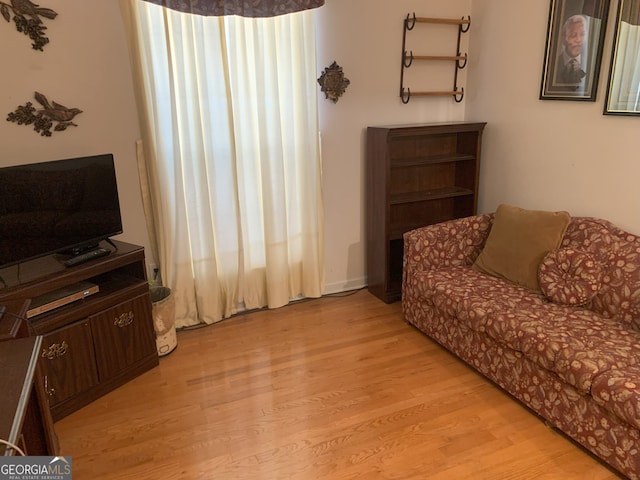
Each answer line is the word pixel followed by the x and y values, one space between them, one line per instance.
pixel 123 335
pixel 67 361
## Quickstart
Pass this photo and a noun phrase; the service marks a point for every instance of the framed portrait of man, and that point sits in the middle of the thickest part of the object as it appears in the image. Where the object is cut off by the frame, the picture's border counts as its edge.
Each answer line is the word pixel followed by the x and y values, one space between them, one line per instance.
pixel 573 52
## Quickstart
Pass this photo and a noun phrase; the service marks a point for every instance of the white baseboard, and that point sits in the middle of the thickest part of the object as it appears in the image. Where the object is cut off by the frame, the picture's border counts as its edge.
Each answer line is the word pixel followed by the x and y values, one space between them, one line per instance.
pixel 345 286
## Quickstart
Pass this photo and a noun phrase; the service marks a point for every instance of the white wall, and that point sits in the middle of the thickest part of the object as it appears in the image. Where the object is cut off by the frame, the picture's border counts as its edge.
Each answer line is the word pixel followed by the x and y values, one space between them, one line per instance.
pixel 365 38
pixel 558 155
pixel 85 65
pixel 537 154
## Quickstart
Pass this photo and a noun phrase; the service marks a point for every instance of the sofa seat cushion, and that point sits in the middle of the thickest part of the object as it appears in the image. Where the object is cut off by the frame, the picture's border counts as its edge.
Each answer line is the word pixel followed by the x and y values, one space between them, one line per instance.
pixel 607 345
pixel 574 343
pixel 533 332
pixel 618 391
pixel 468 295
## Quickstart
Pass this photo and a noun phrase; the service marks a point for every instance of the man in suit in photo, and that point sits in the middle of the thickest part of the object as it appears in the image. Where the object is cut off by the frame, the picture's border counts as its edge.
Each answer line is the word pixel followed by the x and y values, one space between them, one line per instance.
pixel 569 64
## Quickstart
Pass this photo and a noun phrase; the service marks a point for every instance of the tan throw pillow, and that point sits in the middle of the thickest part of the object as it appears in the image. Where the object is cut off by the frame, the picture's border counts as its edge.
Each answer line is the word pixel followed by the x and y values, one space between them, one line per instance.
pixel 518 241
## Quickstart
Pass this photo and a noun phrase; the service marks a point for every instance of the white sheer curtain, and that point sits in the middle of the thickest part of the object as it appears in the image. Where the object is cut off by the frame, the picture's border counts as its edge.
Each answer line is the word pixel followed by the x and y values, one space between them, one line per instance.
pixel 625 86
pixel 231 153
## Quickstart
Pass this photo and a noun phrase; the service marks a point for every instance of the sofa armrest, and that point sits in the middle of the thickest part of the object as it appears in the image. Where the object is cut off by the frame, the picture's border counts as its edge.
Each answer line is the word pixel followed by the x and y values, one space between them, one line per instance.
pixel 451 243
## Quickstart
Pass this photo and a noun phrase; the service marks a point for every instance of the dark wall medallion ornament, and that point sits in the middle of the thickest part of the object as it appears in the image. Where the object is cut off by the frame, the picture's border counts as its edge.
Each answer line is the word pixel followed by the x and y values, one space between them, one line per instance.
pixel 26 16
pixel 44 118
pixel 333 82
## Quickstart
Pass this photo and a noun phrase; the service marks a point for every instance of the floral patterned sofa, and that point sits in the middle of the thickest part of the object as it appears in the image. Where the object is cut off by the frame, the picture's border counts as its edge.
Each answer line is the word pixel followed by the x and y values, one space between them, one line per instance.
pixel 570 352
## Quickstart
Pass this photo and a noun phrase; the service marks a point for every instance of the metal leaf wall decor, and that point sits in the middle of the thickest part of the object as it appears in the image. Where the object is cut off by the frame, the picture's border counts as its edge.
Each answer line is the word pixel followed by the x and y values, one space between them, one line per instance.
pixel 26 16
pixel 44 118
pixel 333 82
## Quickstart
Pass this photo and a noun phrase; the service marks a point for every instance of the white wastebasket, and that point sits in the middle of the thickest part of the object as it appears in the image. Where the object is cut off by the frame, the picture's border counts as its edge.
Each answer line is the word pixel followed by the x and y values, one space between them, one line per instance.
pixel 164 319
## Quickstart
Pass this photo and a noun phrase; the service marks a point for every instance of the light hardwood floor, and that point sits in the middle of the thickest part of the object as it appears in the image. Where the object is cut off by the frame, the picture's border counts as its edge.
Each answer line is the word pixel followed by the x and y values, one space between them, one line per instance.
pixel 334 388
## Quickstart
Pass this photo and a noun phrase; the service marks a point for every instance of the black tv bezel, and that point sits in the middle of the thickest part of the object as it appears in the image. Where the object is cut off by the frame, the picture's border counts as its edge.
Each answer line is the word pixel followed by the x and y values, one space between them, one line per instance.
pixel 78 247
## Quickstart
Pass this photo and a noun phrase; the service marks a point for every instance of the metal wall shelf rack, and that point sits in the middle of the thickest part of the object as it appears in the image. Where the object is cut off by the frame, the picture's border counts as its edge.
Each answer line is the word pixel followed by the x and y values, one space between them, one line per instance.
pixel 460 59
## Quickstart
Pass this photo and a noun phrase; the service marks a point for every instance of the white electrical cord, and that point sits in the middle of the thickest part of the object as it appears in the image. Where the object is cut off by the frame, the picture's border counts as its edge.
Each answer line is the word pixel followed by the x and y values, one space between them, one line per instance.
pixel 12 446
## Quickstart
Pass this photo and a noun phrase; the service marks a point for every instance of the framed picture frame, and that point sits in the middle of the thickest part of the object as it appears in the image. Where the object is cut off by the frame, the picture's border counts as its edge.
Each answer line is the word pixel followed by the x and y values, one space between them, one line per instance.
pixel 623 87
pixel 573 52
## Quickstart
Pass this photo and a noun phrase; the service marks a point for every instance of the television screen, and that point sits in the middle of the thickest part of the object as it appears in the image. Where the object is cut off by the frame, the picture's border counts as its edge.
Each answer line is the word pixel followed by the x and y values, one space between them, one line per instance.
pixel 57 206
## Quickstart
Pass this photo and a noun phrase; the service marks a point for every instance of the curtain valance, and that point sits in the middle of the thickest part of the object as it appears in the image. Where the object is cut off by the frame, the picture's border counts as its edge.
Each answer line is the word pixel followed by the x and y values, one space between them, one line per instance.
pixel 243 8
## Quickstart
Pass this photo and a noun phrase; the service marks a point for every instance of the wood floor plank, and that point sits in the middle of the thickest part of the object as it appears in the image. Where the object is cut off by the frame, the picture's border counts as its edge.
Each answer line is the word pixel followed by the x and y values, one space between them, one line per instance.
pixel 336 388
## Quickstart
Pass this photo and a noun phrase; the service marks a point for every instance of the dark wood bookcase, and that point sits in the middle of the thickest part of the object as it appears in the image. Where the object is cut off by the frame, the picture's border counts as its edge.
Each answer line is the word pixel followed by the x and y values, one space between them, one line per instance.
pixel 97 343
pixel 417 175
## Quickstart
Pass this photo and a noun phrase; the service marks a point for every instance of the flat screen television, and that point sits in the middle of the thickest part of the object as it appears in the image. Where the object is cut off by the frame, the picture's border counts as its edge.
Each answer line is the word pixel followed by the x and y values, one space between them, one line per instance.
pixel 61 206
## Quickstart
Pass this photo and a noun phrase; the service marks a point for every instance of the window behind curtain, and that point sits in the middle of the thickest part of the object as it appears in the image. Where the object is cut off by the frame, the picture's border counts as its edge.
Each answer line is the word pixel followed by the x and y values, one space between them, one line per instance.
pixel 232 113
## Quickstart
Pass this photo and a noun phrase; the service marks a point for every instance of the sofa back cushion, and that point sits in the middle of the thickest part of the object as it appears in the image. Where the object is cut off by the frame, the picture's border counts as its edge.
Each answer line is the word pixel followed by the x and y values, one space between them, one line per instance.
pixel 618 252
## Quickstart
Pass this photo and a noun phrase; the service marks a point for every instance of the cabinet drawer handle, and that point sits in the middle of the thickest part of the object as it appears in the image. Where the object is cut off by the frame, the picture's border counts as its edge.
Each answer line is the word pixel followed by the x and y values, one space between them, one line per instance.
pixel 55 350
pixel 124 320
pixel 49 391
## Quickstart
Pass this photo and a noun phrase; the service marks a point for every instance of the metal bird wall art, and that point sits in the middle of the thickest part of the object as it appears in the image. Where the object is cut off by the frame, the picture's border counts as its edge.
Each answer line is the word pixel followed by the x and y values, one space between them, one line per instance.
pixel 43 118
pixel 26 16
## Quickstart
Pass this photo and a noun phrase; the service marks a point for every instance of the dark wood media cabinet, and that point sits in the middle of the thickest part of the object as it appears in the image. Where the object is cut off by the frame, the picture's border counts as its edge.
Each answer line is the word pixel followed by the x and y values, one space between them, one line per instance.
pixel 95 344
pixel 25 420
